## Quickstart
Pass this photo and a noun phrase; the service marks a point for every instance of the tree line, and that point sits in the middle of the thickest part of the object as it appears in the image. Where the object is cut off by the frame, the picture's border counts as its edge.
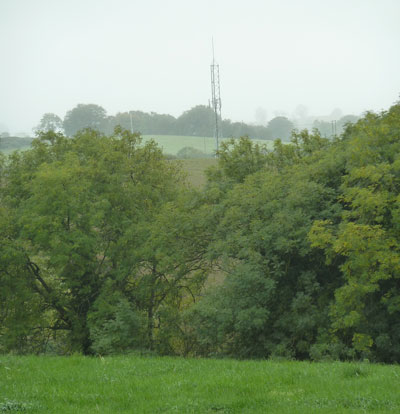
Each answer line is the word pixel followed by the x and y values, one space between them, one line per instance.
pixel 198 121
pixel 291 252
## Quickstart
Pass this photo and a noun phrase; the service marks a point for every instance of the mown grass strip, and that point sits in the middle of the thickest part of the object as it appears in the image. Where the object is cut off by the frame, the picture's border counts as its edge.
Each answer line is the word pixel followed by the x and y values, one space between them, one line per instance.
pixel 132 384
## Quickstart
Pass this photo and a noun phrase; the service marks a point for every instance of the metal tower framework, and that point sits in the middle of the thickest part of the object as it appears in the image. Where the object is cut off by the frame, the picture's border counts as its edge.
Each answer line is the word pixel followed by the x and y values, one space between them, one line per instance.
pixel 216 99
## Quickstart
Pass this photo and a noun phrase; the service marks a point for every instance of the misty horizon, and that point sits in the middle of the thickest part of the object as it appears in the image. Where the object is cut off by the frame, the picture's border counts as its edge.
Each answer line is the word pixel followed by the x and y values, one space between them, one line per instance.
pixel 295 59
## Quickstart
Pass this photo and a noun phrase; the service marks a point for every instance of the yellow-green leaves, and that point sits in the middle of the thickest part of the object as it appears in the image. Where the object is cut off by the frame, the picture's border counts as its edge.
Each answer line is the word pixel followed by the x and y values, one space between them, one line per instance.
pixel 365 242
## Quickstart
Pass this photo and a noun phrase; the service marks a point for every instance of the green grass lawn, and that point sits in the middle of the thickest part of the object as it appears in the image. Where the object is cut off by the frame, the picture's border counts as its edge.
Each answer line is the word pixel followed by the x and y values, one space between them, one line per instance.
pixel 132 384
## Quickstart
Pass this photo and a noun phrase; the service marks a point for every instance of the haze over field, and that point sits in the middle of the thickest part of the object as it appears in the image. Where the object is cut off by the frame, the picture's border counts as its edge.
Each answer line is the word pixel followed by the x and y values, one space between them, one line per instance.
pixel 155 56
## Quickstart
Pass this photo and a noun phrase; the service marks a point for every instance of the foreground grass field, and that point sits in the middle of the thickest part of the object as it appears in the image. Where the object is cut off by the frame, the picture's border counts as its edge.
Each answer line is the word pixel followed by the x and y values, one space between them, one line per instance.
pixel 132 384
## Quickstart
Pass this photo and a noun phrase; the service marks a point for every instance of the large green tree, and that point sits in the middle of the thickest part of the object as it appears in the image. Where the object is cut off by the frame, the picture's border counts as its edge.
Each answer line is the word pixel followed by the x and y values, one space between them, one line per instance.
pixel 50 122
pixel 85 116
pixel 84 213
pixel 308 242
pixel 277 290
pixel 366 239
pixel 280 127
pixel 198 121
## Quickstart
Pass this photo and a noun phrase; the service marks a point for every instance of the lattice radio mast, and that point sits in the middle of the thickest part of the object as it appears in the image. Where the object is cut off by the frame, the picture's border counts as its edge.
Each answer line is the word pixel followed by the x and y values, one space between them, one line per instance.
pixel 216 99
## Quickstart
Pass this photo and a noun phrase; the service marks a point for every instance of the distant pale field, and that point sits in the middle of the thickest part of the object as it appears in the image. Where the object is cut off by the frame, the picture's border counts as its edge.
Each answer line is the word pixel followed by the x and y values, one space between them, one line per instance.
pixel 171 144
pixel 6 151
pixel 133 384
pixel 10 151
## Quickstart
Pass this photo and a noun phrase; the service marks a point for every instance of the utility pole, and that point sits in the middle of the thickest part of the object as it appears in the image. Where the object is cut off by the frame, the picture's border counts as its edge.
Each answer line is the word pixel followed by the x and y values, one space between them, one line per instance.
pixel 333 124
pixel 216 99
pixel 130 116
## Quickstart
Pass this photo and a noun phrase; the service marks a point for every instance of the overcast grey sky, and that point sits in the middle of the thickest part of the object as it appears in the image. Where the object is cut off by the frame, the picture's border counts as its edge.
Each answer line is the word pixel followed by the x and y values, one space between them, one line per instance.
pixel 155 55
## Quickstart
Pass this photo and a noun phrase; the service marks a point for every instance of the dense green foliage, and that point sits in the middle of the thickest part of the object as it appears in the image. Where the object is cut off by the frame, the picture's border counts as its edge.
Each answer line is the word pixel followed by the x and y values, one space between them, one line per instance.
pixel 87 249
pixel 133 384
pixel 288 252
pixel 276 295
pixel 365 240
pixel 309 245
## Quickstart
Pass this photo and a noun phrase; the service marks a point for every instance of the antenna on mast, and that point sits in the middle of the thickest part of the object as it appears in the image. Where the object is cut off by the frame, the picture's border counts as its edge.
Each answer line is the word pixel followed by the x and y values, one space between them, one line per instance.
pixel 212 42
pixel 216 98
